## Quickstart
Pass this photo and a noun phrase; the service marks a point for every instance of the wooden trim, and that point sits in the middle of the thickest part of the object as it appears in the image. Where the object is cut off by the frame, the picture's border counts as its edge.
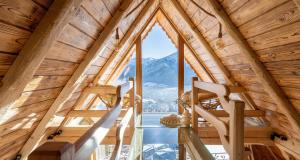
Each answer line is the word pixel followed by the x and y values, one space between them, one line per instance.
pixel 236 126
pixel 264 77
pixel 35 50
pixel 212 55
pixel 77 77
pixel 180 70
pixel 139 73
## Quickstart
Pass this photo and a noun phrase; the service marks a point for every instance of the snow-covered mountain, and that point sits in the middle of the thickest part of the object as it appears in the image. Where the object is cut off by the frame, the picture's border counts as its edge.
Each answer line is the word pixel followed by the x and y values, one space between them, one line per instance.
pixel 161 71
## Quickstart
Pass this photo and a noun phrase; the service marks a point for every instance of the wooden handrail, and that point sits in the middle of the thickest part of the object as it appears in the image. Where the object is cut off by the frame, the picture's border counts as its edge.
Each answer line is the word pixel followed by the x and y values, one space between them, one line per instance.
pixel 120 134
pixel 87 143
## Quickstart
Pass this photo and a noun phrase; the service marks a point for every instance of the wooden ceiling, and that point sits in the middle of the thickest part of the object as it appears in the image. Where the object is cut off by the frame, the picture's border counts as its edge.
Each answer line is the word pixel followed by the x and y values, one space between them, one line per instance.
pixel 46 61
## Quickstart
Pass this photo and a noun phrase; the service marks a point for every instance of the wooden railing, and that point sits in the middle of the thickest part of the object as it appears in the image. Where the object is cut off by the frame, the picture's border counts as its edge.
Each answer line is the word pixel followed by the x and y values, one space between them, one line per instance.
pixel 232 134
pixel 88 142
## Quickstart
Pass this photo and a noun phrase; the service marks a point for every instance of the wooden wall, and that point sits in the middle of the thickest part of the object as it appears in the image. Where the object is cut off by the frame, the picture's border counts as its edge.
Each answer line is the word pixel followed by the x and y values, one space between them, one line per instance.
pixel 18 19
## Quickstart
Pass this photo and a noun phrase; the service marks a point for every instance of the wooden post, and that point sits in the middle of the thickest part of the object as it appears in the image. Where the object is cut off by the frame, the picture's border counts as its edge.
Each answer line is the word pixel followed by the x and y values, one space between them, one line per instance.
pixel 195 101
pixel 236 130
pixel 180 70
pixel 139 84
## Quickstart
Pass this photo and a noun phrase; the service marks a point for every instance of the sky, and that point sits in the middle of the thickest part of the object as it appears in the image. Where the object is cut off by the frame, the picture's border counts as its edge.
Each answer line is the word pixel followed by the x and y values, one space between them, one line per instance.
pixel 157 44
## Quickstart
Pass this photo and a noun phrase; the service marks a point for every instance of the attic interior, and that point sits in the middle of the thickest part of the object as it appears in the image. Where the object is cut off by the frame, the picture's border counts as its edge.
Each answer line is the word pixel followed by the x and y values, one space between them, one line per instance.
pixel 59 60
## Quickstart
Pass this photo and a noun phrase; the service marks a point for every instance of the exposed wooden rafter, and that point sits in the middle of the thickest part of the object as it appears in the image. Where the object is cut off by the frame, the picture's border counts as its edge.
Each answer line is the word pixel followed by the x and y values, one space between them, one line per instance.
pixel 76 78
pixel 264 77
pixel 35 50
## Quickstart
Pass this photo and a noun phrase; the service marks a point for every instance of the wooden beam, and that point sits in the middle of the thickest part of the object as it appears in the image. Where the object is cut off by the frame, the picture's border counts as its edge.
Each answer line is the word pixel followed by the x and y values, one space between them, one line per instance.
pixel 35 50
pixel 264 77
pixel 247 113
pixel 236 126
pixel 91 113
pixel 221 126
pixel 195 146
pixel 101 90
pixel 77 77
pixel 212 55
pixel 180 70
pixel 195 102
pixel 139 74
pixel 120 134
pixel 125 38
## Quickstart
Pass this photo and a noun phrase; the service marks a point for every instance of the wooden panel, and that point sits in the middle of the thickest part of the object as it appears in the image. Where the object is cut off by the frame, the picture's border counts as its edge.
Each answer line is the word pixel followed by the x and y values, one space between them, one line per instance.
pixel 253 9
pixel 277 37
pixel 98 10
pixel 22 13
pixel 53 67
pixel 13 37
pixel 87 24
pixel 280 16
pixel 75 38
pixel 64 52
pixel 280 53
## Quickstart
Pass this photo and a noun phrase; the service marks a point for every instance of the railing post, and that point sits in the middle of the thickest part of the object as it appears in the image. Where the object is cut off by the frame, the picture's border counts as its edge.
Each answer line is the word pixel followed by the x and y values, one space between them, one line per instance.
pixel 236 130
pixel 195 102
pixel 131 104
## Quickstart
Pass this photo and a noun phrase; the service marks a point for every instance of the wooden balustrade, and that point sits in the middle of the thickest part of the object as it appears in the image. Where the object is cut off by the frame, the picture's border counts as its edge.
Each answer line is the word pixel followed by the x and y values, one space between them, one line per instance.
pixel 231 135
pixel 88 142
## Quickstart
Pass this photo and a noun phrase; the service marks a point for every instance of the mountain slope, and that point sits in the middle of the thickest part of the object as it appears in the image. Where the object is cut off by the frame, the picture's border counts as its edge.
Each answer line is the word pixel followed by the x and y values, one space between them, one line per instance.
pixel 161 71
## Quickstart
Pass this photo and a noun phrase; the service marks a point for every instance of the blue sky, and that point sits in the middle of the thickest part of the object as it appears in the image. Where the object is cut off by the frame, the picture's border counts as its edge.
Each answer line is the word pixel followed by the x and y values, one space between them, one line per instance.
pixel 157 44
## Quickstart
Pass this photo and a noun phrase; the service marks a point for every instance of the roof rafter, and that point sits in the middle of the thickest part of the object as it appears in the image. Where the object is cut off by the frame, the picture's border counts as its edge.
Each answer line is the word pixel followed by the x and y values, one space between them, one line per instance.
pixel 266 79
pixel 77 78
pixel 35 50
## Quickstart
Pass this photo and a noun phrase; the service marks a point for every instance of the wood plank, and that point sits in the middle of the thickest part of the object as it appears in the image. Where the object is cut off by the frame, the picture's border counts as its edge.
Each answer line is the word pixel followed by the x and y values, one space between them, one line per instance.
pixel 13 37
pixel 263 75
pixel 283 15
pixel 56 68
pixel 247 113
pixel 76 38
pixel 86 23
pixel 280 36
pixel 35 50
pixel 195 102
pixel 76 78
pixel 22 13
pixel 253 9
